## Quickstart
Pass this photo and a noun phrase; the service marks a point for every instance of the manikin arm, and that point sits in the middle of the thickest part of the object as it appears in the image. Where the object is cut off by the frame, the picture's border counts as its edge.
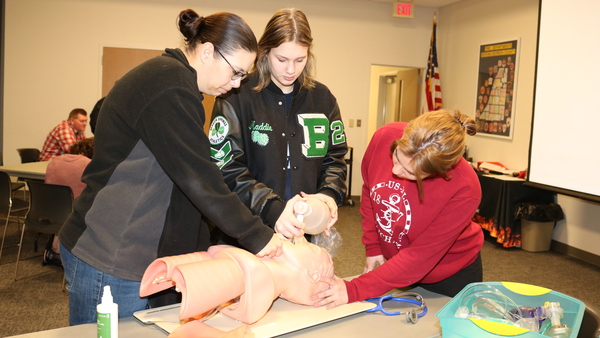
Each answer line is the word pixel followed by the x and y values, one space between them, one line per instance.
pixel 159 274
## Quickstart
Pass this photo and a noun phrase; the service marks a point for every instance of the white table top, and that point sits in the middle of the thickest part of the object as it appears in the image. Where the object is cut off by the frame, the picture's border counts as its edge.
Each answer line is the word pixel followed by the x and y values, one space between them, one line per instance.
pixel 33 170
pixel 358 325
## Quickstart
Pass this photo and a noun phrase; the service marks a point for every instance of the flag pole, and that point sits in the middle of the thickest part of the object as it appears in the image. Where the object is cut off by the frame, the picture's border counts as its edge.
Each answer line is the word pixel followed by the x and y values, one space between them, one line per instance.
pixel 433 91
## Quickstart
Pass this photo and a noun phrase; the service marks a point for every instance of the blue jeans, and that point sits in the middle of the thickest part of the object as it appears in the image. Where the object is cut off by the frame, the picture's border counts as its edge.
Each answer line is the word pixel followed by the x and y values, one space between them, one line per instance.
pixel 85 285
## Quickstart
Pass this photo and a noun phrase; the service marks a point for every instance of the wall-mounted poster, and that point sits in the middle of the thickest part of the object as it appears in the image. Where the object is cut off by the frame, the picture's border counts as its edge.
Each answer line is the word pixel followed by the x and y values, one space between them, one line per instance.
pixel 496 88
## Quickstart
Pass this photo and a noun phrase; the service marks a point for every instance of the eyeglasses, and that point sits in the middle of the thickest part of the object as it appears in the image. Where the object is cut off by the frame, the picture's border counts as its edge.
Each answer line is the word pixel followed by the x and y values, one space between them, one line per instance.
pixel 236 74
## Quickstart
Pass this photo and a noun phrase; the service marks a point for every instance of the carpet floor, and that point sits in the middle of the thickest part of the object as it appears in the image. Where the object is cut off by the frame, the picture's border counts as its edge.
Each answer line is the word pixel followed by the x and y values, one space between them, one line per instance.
pixel 36 300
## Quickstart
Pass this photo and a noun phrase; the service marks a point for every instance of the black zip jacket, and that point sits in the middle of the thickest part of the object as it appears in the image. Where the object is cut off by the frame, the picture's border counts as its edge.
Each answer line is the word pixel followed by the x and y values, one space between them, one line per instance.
pixel 151 182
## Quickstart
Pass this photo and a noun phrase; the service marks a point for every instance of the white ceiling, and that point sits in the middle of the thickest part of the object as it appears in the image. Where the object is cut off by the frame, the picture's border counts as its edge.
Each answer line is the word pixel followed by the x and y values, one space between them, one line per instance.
pixel 424 3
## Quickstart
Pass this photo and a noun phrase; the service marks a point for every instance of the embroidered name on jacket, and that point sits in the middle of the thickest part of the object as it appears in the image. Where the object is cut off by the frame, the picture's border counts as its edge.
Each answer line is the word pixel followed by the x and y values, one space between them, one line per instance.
pixel 392 211
pixel 258 133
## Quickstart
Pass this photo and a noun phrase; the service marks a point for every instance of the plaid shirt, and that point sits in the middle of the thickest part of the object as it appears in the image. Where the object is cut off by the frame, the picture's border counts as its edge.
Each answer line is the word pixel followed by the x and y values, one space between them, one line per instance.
pixel 60 140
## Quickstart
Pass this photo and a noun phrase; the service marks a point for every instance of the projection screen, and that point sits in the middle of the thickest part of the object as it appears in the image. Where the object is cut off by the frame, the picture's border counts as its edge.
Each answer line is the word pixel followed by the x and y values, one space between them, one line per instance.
pixel 564 152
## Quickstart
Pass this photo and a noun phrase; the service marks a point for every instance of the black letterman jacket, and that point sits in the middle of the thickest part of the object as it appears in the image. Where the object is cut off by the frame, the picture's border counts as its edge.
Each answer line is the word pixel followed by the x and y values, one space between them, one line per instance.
pixel 249 134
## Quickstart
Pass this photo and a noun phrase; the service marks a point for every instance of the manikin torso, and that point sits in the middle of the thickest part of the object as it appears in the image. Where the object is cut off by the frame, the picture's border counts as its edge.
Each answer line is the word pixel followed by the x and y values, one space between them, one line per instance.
pixel 207 280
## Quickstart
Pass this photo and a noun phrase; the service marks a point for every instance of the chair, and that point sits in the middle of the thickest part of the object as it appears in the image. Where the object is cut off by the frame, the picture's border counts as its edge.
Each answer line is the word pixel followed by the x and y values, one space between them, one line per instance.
pixel 8 204
pixel 14 185
pixel 29 154
pixel 50 205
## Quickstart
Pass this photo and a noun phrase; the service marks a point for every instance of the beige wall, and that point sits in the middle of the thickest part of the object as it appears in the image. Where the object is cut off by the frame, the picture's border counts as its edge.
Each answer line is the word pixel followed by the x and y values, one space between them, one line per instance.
pixel 465 26
pixel 53 64
pixel 462 28
pixel 53 53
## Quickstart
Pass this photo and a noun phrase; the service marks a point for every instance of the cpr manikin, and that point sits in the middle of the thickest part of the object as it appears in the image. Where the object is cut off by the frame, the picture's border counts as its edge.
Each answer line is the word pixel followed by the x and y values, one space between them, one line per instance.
pixel 210 279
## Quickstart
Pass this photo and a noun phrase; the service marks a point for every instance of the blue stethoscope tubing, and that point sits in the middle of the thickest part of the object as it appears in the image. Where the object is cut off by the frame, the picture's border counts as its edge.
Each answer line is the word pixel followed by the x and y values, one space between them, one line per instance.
pixel 380 300
pixel 417 301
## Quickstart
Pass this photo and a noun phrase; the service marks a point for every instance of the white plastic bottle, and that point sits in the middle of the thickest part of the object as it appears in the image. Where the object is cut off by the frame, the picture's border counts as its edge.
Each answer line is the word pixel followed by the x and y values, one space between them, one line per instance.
pixel 108 316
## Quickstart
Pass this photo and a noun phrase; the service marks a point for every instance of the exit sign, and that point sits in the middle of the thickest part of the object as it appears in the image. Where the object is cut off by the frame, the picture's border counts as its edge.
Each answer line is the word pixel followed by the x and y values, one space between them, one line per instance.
pixel 402 10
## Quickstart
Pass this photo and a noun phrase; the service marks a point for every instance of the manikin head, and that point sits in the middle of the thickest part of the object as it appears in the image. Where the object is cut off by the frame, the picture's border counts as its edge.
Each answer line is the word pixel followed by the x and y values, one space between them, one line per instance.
pixel 306 263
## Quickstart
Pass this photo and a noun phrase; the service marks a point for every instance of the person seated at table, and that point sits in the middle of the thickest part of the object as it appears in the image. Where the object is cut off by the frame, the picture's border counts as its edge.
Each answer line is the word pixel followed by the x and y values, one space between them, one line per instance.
pixel 63 136
pixel 419 196
pixel 67 170
pixel 211 279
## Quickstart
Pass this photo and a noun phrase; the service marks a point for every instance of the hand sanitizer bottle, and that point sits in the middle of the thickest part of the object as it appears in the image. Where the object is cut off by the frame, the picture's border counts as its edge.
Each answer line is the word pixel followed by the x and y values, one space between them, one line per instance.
pixel 108 316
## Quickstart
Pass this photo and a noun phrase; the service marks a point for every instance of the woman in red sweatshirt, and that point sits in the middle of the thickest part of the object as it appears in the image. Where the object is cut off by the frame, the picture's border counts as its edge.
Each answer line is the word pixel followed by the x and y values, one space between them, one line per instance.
pixel 418 198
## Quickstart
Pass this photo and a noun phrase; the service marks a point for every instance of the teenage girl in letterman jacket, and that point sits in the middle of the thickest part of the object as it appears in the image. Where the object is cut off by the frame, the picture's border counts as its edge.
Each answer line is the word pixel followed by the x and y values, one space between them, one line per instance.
pixel 281 133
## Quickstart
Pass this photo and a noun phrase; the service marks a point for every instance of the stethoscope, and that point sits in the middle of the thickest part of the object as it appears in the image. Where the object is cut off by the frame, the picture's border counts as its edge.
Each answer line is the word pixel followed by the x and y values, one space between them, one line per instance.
pixel 412 315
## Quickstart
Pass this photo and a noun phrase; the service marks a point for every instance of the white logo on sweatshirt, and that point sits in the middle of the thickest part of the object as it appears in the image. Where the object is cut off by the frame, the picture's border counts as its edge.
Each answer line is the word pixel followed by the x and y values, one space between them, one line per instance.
pixel 396 207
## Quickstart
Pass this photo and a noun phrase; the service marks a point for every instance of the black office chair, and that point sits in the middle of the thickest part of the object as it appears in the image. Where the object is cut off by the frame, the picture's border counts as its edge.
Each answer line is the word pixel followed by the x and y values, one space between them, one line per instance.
pixel 50 205
pixel 29 154
pixel 14 185
pixel 8 204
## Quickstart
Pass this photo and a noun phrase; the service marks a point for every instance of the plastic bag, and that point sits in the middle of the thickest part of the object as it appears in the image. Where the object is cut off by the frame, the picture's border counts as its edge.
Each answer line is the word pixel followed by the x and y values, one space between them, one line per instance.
pixel 331 243
pixel 539 212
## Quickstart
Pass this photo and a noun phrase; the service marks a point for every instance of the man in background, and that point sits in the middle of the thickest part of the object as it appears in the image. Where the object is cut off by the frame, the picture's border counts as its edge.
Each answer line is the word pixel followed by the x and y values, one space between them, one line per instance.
pixel 62 137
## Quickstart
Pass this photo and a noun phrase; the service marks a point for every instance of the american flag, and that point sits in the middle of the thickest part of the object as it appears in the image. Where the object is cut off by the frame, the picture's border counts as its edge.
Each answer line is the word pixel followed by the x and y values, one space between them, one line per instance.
pixel 433 90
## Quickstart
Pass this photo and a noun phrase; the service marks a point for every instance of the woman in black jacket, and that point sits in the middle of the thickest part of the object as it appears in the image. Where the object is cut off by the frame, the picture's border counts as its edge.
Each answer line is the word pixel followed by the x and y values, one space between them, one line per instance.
pixel 151 182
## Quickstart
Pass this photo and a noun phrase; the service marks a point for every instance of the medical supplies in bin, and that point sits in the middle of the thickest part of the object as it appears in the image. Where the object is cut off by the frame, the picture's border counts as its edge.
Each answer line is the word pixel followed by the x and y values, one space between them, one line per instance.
pixel 504 309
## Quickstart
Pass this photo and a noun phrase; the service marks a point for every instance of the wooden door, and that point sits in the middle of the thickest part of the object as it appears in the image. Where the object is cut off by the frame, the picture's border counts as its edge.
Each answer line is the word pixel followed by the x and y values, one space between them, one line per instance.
pixel 116 62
